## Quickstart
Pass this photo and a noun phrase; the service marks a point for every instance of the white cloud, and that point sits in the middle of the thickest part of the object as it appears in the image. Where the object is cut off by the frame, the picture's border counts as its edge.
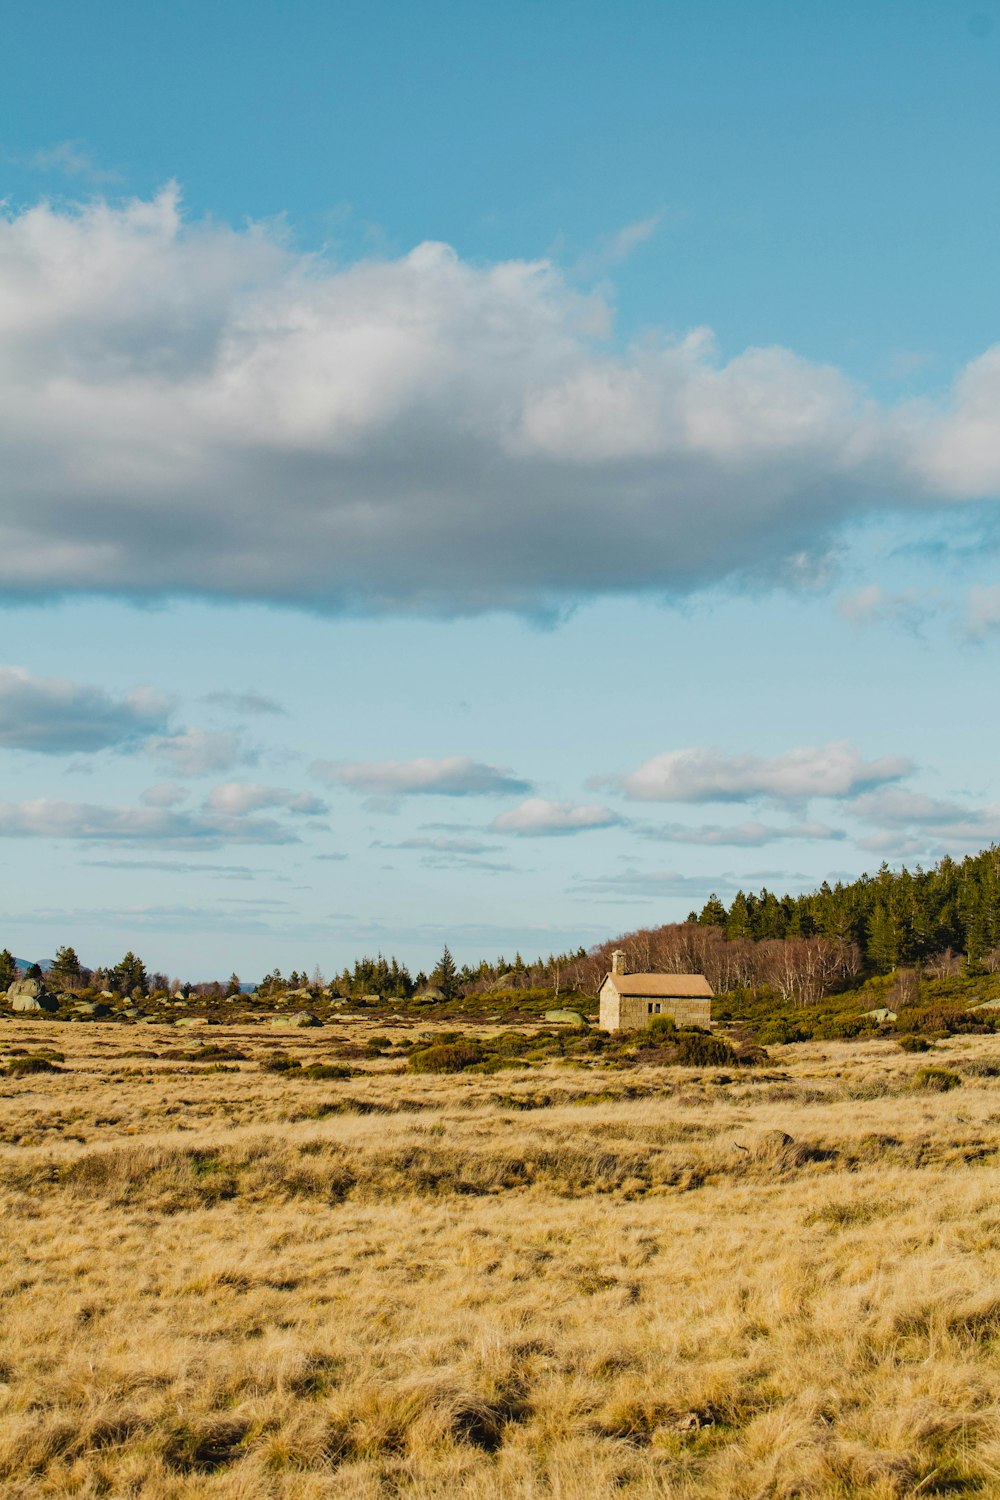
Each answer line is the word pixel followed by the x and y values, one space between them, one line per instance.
pixel 56 716
pixel 911 823
pixel 48 818
pixel 237 798
pixel 164 794
pixel 71 159
pixel 896 807
pixel 536 818
pixel 452 776
pixel 617 247
pixel 751 835
pixel 243 703
pixel 874 605
pixel 982 611
pixel 445 846
pixel 662 883
pixel 198 752
pixel 195 410
pixel 700 775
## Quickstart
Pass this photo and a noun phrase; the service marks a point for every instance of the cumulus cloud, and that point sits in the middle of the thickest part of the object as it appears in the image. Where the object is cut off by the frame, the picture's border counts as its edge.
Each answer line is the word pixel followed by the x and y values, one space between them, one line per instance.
pixel 386 781
pixel 237 798
pixel 749 835
pixel 701 775
pixel 185 408
pixel 536 818
pixel 198 752
pixel 52 819
pixel 56 716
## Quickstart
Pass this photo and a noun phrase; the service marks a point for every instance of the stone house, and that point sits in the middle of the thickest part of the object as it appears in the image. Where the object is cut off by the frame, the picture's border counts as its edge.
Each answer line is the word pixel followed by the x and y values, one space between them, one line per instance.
pixel 629 1001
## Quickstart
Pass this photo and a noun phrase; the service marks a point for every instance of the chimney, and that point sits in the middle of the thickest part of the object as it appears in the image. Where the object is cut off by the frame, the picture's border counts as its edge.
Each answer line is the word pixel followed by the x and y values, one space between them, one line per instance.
pixel 618 962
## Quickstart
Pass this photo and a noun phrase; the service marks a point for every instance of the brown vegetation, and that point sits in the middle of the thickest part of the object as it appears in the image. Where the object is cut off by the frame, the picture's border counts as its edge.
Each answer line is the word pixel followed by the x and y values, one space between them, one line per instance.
pixel 571 1279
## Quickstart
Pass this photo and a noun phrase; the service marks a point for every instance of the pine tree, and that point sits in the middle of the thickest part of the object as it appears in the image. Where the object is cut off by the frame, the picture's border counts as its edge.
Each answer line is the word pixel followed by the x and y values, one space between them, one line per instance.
pixel 883 939
pixel 129 976
pixel 713 913
pixel 8 969
pixel 445 975
pixel 65 970
pixel 233 987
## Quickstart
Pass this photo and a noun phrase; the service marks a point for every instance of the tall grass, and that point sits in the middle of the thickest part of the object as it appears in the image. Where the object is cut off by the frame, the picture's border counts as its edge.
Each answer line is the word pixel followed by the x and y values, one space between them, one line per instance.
pixel 559 1283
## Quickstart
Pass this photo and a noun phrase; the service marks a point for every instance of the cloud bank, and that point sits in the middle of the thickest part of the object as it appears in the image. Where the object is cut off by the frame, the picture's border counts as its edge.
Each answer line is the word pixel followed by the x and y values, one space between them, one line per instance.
pixel 191 409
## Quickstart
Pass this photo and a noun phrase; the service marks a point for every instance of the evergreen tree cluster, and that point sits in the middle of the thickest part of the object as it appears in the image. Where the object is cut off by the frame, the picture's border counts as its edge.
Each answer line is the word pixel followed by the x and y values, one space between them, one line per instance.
pixel 894 918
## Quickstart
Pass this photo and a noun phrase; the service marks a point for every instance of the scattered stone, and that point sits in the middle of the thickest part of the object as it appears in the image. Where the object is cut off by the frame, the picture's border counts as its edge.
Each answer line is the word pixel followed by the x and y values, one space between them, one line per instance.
pixel 95 1008
pixel 880 1014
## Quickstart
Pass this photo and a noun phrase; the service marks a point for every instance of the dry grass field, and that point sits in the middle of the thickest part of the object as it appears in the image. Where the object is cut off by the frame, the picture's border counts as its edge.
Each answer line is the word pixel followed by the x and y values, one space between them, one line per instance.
pixel 558 1281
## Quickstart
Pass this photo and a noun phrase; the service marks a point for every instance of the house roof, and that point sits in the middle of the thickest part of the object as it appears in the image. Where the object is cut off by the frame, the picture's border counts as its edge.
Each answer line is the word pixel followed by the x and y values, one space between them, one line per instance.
pixel 663 986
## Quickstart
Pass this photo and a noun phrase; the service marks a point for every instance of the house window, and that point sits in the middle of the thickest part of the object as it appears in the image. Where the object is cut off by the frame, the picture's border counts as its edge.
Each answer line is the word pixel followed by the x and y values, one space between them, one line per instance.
pixel 649 1008
pixel 656 1008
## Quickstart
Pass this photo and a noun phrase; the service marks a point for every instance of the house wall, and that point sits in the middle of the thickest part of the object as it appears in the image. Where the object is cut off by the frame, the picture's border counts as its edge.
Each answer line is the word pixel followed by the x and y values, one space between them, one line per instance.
pixel 609 1007
pixel 632 1011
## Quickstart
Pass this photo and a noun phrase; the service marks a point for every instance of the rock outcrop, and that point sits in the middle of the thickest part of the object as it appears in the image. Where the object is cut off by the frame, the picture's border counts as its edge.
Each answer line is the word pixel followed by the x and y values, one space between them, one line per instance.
pixel 30 995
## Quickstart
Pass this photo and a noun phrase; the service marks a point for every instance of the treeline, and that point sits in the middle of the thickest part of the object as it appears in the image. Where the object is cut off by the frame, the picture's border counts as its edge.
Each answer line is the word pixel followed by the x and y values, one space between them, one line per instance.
pixel 944 919
pixel 910 917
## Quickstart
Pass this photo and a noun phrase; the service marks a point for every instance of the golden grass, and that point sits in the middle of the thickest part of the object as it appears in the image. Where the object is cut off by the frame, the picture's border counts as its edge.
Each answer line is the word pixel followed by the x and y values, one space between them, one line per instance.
pixel 553 1282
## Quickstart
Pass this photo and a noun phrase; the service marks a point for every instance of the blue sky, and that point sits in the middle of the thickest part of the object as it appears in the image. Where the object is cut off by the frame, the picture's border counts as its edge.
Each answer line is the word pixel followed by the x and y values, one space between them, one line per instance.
pixel 486 473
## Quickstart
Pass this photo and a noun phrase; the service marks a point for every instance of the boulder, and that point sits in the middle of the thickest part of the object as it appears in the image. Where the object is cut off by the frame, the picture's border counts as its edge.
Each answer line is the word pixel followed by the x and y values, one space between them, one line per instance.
pixel 92 1008
pixel 570 1017
pixel 304 1018
pixel 30 995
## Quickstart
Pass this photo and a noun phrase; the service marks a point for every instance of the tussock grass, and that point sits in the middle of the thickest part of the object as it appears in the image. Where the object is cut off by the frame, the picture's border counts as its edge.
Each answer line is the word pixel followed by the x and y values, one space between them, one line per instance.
pixel 671 1282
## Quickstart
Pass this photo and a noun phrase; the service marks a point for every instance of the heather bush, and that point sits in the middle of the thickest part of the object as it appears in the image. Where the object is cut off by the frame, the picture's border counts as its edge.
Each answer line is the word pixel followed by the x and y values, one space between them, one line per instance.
pixel 444 1057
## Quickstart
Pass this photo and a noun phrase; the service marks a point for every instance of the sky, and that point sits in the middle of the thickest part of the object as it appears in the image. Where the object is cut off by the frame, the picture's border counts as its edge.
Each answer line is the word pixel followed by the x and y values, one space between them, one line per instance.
pixel 488 474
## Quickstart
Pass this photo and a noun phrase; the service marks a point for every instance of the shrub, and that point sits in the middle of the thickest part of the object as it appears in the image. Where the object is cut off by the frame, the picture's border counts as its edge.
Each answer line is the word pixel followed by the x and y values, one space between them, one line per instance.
pixel 22 1065
pixel 936 1080
pixel 279 1062
pixel 781 1031
pixel 326 1070
pixel 936 1018
pixel 914 1043
pixel 444 1057
pixel 661 1029
pixel 696 1049
pixel 844 1028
